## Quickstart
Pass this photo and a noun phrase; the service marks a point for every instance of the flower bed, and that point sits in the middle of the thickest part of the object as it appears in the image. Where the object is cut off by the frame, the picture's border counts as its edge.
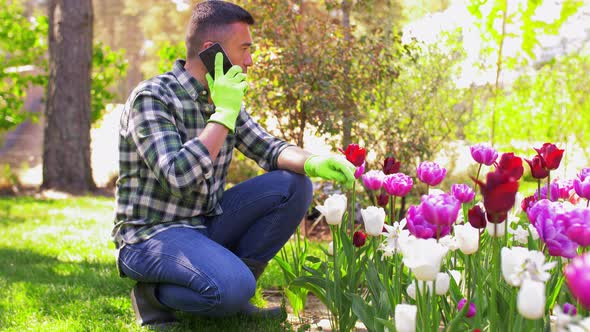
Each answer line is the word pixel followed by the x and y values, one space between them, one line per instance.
pixel 486 259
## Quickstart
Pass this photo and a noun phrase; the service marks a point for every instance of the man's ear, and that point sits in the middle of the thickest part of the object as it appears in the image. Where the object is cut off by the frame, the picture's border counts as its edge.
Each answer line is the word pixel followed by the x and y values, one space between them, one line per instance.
pixel 206 45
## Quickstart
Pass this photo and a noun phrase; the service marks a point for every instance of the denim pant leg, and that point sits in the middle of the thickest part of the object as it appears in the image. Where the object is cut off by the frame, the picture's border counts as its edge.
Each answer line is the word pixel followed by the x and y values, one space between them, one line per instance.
pixel 260 214
pixel 194 273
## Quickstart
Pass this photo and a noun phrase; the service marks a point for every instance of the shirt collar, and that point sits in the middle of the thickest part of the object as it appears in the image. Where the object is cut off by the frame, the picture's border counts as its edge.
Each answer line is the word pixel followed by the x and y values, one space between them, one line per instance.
pixel 187 81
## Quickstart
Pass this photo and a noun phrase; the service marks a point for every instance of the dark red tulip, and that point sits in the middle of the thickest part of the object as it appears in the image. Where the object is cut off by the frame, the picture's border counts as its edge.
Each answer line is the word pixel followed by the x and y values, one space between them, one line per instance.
pixel 551 155
pixel 390 166
pixel 359 238
pixel 477 218
pixel 383 199
pixel 355 154
pixel 511 164
pixel 499 194
pixel 528 202
pixel 538 169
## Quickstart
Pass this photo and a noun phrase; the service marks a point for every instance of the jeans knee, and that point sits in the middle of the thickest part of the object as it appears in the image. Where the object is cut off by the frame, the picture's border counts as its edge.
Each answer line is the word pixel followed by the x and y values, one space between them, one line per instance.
pixel 301 188
pixel 234 294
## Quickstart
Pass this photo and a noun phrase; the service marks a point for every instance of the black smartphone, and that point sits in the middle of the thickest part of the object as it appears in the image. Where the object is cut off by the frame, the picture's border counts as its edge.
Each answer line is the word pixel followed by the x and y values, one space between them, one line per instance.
pixel 208 58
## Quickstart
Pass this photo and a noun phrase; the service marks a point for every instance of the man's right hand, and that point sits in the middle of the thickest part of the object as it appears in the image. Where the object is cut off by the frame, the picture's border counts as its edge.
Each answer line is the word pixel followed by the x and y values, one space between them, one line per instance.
pixel 227 92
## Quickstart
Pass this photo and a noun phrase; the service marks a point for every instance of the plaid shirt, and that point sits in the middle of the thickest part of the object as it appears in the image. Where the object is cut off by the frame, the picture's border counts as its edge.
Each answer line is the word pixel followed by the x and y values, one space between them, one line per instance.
pixel 166 176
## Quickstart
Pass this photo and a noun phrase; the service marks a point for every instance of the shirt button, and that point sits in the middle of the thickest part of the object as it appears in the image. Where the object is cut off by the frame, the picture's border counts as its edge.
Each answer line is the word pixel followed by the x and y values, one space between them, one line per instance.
pixel 204 92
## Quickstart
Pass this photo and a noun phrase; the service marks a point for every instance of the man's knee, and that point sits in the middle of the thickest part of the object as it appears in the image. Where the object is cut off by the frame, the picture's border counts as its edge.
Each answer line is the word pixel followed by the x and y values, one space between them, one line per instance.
pixel 232 294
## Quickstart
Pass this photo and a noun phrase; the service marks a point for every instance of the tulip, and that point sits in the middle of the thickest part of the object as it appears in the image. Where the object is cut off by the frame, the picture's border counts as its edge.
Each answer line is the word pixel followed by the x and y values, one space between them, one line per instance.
pixel 528 202
pixel 331 248
pixel 569 309
pixel 551 225
pixel 519 264
pixel 359 238
pixel 456 275
pixel 538 169
pixel 496 230
pixel 560 189
pixel 463 193
pixel 359 171
pixel 578 229
pixel 398 184
pixel 471 311
pixel 411 290
pixel 551 155
pixel 511 165
pixel 423 257
pixel 405 317
pixel 420 227
pixel 499 195
pixel 333 208
pixel 443 283
pixel 531 299
pixel 483 154
pixel 383 199
pixel 440 210
pixel 355 154
pixel 390 166
pixel 430 173
pixel 395 234
pixel 374 218
pixel 577 275
pixel 468 238
pixel 450 242
pixel 582 187
pixel 373 180
pixel 477 217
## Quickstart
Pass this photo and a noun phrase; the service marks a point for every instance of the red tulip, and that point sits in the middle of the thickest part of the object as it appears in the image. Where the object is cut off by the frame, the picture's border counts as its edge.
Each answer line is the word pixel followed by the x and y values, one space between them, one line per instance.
pixel 477 217
pixel 390 166
pixel 355 154
pixel 499 193
pixel 383 199
pixel 538 169
pixel 512 165
pixel 359 238
pixel 551 155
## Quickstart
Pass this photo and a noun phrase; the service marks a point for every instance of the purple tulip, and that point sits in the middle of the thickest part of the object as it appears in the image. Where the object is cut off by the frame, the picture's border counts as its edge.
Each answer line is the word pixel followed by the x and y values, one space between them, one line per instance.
pixel 359 171
pixel 569 309
pixel 471 311
pixel 484 154
pixel 420 228
pixel 551 225
pixel 398 184
pixel 463 193
pixel 440 209
pixel 578 226
pixel 577 274
pixel 560 189
pixel 431 173
pixel 373 180
pixel 582 184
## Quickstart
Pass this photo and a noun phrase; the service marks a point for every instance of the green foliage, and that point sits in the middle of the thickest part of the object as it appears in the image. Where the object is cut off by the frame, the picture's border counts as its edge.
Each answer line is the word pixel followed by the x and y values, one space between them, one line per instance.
pixel 168 53
pixel 108 66
pixel 22 43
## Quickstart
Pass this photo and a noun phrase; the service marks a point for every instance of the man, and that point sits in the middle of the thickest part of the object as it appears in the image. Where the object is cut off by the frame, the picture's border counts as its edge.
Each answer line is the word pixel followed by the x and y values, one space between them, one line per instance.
pixel 192 246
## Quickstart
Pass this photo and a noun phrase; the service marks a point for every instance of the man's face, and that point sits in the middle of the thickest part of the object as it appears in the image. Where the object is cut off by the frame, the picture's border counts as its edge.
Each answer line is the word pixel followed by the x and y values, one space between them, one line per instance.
pixel 238 44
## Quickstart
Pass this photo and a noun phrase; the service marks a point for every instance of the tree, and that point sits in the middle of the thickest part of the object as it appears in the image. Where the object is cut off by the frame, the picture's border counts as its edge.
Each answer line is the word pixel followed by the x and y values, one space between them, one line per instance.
pixel 66 148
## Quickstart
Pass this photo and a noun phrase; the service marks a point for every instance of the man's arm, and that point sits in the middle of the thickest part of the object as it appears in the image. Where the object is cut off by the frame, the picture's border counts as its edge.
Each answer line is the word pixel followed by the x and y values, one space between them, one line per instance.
pixel 293 159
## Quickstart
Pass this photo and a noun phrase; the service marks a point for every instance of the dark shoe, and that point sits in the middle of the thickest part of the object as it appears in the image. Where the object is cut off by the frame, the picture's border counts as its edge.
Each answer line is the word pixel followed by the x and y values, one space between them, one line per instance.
pixel 250 310
pixel 148 309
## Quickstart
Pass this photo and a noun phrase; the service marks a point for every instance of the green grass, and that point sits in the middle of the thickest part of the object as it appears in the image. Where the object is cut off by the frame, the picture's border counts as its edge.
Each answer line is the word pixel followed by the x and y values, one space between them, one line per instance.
pixel 57 271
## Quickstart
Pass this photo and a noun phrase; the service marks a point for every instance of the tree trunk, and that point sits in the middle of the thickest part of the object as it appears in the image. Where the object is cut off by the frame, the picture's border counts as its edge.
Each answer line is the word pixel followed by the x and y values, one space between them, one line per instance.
pixel 66 148
pixel 349 105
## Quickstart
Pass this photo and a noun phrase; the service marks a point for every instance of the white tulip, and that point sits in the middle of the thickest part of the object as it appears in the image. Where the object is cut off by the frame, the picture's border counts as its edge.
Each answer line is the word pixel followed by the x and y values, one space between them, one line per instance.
pixel 395 234
pixel 411 290
pixel 450 242
pixel 374 218
pixel 423 257
pixel 519 234
pixel 405 317
pixel 498 231
pixel 443 282
pixel 531 299
pixel 331 248
pixel 519 264
pixel 333 209
pixel 468 238
pixel 456 276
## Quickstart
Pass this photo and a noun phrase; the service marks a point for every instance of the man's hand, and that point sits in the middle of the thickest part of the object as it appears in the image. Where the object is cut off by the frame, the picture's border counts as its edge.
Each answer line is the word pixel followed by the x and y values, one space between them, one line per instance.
pixel 330 168
pixel 227 92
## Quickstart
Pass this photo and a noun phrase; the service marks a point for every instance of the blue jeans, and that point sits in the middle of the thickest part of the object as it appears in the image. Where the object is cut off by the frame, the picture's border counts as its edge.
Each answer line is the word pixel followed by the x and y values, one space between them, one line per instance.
pixel 200 270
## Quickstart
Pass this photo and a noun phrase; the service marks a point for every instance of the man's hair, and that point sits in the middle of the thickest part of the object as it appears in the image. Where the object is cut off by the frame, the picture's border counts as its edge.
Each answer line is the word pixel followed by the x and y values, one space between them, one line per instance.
pixel 210 20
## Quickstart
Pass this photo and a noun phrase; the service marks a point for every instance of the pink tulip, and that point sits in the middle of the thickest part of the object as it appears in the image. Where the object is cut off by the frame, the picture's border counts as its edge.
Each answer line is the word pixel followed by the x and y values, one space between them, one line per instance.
pixel 431 173
pixel 484 154
pixel 398 184
pixel 577 275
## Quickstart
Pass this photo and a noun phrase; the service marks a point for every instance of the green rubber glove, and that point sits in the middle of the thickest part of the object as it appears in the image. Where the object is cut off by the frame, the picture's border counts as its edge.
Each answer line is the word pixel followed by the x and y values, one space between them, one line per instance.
pixel 330 168
pixel 227 92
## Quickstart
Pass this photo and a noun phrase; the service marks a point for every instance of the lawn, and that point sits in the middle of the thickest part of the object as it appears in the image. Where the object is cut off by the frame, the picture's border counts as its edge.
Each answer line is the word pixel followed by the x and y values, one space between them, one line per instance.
pixel 57 271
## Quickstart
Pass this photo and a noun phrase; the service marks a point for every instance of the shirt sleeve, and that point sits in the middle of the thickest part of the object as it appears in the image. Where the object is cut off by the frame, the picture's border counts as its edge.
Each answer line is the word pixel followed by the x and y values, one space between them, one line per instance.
pixel 257 144
pixel 179 168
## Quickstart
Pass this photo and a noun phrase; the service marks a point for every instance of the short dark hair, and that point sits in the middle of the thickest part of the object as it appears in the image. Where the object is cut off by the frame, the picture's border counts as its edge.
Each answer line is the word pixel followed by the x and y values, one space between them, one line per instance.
pixel 209 21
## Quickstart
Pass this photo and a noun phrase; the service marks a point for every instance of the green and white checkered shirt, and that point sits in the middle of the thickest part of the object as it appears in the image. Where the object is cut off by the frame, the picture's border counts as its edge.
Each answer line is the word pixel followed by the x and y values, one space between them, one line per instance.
pixel 166 176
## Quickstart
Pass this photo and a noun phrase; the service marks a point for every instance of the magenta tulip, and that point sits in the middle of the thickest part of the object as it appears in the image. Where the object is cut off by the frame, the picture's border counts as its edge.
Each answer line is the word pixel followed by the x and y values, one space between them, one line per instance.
pixel 398 184
pixel 431 173
pixel 462 192
pixel 484 154
pixel 373 180
pixel 577 275
pixel 440 209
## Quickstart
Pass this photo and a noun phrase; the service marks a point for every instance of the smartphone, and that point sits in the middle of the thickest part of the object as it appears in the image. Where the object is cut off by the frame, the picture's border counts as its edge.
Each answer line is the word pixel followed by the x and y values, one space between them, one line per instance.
pixel 208 58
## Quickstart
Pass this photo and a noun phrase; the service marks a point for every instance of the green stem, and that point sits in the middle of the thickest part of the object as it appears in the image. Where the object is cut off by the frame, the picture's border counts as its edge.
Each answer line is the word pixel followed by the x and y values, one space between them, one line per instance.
pixel 392 209
pixel 538 189
pixel 549 186
pixel 352 209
